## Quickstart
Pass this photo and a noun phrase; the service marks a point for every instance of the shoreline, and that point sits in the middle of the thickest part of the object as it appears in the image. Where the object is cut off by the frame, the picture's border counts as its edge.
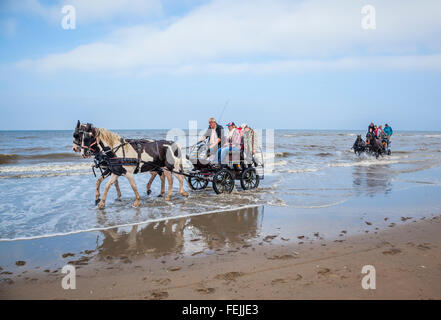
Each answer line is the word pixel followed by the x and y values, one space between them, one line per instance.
pixel 407 261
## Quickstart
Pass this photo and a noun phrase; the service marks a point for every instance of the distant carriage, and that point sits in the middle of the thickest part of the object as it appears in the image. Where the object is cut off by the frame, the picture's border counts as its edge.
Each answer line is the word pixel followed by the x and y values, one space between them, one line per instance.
pixel 372 146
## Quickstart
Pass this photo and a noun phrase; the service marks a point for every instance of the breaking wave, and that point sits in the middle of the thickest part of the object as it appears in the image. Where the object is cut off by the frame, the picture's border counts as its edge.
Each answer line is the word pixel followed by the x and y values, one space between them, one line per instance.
pixel 10 158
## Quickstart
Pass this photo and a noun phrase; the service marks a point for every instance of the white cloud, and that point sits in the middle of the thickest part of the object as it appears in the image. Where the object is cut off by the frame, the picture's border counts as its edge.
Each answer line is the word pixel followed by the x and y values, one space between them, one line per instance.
pixel 267 35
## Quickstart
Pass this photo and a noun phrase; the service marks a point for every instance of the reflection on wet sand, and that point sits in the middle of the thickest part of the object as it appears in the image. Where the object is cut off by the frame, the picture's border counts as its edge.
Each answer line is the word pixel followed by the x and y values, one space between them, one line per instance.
pixel 371 180
pixel 211 231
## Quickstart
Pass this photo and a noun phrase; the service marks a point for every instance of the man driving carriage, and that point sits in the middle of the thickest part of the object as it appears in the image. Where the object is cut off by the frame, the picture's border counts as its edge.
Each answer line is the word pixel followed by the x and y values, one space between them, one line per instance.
pixel 215 135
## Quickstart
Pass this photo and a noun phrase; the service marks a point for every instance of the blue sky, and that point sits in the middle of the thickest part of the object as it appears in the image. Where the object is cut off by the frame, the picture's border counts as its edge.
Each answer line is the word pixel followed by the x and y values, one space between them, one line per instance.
pixel 279 64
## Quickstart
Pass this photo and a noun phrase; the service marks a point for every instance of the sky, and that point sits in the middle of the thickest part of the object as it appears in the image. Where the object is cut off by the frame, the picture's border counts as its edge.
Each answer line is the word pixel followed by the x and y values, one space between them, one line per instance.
pixel 150 64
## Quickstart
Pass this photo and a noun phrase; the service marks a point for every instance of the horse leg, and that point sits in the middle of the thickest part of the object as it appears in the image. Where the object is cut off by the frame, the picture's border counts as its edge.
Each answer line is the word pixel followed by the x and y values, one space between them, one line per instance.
pixel 180 178
pixel 132 182
pixel 149 184
pixel 97 191
pixel 169 177
pixel 162 177
pixel 118 191
pixel 112 180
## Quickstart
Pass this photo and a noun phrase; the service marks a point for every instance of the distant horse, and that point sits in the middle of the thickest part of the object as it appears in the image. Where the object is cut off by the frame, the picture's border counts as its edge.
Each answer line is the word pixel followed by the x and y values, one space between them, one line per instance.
pixel 144 155
pixel 374 145
pixel 76 147
pixel 359 145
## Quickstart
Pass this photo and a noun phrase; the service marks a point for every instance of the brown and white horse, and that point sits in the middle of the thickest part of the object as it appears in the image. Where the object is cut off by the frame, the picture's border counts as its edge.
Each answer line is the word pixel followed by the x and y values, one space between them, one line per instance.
pixel 151 155
pixel 76 147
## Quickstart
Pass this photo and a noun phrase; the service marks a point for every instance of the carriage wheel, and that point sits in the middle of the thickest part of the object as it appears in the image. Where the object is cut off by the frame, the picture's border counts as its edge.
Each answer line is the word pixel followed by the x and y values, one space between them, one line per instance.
pixel 197 183
pixel 223 181
pixel 388 152
pixel 249 179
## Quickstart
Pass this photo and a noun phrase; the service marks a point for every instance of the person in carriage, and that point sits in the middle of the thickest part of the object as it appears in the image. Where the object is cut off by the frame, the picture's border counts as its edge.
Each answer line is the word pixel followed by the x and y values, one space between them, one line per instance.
pixel 233 143
pixel 249 141
pixel 388 132
pixel 215 136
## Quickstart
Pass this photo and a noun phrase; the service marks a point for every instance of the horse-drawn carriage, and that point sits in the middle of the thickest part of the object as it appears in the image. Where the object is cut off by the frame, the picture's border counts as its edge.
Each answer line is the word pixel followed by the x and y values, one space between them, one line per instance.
pixel 372 145
pixel 115 156
pixel 238 166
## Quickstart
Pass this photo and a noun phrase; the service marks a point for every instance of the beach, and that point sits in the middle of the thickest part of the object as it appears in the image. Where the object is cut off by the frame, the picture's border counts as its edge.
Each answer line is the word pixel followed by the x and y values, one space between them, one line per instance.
pixel 406 257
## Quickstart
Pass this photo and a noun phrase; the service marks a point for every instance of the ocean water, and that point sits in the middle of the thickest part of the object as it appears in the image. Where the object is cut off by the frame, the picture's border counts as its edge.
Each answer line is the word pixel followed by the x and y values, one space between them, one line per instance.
pixel 47 189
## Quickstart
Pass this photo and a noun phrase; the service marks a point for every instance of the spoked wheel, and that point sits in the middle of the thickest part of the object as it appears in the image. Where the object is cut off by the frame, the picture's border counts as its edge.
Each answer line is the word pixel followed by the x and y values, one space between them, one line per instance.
pixel 197 183
pixel 223 181
pixel 249 179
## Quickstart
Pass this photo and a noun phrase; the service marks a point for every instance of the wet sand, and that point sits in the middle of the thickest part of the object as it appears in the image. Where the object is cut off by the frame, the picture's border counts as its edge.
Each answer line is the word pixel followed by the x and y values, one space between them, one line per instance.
pixel 236 261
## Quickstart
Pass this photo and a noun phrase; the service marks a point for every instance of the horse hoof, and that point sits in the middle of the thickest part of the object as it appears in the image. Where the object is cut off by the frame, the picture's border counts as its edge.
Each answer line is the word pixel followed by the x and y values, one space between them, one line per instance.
pixel 185 194
pixel 167 198
pixel 136 204
pixel 160 196
pixel 101 205
pixel 97 201
pixel 149 192
pixel 118 199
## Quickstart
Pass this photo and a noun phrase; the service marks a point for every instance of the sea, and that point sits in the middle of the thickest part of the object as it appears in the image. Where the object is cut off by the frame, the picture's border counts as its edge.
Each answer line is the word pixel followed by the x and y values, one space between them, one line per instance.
pixel 48 190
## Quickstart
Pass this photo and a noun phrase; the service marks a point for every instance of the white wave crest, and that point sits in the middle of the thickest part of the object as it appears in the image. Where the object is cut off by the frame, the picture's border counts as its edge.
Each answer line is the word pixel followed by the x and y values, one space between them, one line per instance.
pixel 46 168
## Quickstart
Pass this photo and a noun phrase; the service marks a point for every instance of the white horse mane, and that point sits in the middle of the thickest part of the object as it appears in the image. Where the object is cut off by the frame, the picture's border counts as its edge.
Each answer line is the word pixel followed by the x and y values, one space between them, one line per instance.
pixel 110 138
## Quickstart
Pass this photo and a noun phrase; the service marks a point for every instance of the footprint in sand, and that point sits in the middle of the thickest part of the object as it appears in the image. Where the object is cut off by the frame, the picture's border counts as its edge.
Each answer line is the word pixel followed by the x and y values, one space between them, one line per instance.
pixel 269 238
pixel 277 281
pixel 423 246
pixel 282 257
pixel 323 271
pixel 158 295
pixel 174 268
pixel 162 282
pixel 230 276
pixel 206 290
pixel 392 251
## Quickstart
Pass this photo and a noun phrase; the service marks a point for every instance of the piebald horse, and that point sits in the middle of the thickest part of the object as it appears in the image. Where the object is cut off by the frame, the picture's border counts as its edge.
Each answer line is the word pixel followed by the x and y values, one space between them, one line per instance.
pixel 76 147
pixel 150 156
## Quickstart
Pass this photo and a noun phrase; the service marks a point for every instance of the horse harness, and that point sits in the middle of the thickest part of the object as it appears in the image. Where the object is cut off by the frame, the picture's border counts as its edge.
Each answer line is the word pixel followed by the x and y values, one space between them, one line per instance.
pixel 108 163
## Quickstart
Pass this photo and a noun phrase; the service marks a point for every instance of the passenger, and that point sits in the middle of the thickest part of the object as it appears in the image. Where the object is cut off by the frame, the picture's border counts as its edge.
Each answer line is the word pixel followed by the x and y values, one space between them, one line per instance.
pixel 371 127
pixel 388 132
pixel 379 133
pixel 233 139
pixel 249 141
pixel 375 131
pixel 215 135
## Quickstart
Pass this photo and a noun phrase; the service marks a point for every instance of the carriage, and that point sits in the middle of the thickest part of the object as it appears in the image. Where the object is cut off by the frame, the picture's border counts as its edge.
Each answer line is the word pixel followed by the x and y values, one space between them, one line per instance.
pixel 372 146
pixel 238 166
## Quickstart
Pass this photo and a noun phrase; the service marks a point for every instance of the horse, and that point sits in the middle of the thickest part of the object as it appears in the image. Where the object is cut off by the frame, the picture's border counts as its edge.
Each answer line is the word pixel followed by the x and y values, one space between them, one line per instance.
pixel 359 145
pixel 76 147
pixel 136 156
pixel 374 145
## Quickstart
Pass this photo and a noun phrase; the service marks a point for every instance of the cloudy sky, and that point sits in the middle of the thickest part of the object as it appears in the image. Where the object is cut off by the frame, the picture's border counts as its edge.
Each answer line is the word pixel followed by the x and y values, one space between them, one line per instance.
pixel 304 64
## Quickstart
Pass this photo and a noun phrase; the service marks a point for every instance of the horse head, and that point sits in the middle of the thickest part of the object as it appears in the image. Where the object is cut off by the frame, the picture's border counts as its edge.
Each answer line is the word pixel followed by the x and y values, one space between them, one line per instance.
pixel 89 145
pixel 78 137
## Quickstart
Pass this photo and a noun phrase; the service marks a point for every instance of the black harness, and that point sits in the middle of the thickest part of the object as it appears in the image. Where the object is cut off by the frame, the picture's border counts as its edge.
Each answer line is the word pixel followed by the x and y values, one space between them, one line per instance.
pixel 107 161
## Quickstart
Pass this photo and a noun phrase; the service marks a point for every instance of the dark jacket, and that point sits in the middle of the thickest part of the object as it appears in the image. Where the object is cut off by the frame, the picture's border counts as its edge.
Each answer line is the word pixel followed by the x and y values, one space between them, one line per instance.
pixel 220 134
